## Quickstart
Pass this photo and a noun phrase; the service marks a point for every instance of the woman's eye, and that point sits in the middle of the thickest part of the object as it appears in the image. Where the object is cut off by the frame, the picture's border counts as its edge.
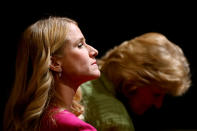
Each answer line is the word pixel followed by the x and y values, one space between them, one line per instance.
pixel 80 45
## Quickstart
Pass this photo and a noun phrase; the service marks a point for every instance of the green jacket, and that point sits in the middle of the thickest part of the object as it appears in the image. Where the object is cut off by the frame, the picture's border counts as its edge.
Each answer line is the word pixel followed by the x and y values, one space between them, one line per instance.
pixel 102 109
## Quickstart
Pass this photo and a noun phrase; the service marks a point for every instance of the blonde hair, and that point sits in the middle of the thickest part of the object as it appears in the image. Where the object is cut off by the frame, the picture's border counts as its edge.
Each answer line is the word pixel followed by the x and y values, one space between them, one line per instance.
pixel 147 60
pixel 33 86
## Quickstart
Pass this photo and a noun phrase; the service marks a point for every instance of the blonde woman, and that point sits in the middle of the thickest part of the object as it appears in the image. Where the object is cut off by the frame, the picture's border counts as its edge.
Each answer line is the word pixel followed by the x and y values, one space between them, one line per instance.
pixel 136 74
pixel 53 60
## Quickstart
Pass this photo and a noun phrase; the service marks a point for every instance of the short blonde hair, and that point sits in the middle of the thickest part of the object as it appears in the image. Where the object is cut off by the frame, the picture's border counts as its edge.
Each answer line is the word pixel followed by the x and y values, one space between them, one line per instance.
pixel 147 60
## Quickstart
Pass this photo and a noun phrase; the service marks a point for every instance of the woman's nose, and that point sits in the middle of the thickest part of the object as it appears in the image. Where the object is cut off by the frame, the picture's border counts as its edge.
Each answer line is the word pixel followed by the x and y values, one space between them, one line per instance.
pixel 93 52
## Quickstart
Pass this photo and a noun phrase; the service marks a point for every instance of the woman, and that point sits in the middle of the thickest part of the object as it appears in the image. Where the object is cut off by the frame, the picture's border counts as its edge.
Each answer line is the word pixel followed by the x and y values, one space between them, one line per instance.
pixel 136 74
pixel 53 60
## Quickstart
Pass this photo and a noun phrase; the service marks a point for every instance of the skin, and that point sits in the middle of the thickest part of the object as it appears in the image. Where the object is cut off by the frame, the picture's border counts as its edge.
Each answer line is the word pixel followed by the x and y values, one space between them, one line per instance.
pixel 79 63
pixel 144 98
pixel 76 66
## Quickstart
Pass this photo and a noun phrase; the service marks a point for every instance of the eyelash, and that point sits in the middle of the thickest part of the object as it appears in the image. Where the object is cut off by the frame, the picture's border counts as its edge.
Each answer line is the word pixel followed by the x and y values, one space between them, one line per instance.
pixel 80 44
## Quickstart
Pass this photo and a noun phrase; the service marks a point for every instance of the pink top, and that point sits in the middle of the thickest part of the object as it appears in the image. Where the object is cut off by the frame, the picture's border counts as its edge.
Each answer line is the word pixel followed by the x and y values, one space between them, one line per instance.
pixel 63 121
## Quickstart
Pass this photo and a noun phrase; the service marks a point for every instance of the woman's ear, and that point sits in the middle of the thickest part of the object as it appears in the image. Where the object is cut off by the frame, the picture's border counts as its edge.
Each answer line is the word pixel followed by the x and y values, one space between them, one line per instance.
pixel 55 65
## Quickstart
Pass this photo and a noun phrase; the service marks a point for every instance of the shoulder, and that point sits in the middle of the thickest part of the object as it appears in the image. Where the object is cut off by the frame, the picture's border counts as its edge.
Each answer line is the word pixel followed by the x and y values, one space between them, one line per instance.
pixel 90 85
pixel 107 112
pixel 65 120
pixel 68 120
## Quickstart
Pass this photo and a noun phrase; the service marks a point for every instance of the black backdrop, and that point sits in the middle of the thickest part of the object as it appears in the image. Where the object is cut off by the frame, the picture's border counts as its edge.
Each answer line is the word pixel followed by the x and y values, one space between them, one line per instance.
pixel 105 25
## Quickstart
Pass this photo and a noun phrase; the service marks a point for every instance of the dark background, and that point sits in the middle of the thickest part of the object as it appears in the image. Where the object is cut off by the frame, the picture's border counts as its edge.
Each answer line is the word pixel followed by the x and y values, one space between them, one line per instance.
pixel 108 24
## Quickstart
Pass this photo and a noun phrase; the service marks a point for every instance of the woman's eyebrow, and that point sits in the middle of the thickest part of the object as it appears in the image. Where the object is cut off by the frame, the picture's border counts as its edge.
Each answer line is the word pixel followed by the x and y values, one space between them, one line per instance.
pixel 79 40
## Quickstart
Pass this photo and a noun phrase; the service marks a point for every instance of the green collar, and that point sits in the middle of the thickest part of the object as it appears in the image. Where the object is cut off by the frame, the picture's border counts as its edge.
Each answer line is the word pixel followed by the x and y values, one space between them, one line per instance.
pixel 107 84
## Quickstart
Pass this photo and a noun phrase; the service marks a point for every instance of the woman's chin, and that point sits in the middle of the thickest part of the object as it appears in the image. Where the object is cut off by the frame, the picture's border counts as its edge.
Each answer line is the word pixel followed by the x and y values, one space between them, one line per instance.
pixel 96 75
pixel 92 76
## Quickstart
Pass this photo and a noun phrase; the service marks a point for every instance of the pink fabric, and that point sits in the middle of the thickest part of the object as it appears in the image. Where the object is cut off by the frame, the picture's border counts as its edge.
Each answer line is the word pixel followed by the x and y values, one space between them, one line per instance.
pixel 64 121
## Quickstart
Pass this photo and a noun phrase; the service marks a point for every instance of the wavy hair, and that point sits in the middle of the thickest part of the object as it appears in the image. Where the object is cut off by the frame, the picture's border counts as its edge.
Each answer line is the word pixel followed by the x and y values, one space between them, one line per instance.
pixel 33 86
pixel 147 60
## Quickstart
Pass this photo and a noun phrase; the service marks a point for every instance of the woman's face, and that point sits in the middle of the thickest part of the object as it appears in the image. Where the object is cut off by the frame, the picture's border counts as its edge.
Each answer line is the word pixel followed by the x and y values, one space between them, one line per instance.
pixel 144 98
pixel 78 62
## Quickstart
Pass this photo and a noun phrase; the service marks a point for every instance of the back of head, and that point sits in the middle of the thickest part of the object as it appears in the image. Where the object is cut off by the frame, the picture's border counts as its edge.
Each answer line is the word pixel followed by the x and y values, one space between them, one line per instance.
pixel 147 60
pixel 34 81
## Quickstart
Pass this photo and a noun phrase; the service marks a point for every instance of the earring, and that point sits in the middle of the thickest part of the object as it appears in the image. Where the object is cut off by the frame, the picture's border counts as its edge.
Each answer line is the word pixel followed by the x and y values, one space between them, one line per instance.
pixel 59 74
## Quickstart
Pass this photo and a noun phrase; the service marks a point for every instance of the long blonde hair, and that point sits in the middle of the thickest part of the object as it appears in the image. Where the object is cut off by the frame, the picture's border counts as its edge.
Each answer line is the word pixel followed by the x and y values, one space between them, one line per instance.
pixel 147 60
pixel 33 86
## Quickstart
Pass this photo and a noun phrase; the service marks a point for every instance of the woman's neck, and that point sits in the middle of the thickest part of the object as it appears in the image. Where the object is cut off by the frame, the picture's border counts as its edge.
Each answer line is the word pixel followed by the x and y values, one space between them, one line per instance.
pixel 65 94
